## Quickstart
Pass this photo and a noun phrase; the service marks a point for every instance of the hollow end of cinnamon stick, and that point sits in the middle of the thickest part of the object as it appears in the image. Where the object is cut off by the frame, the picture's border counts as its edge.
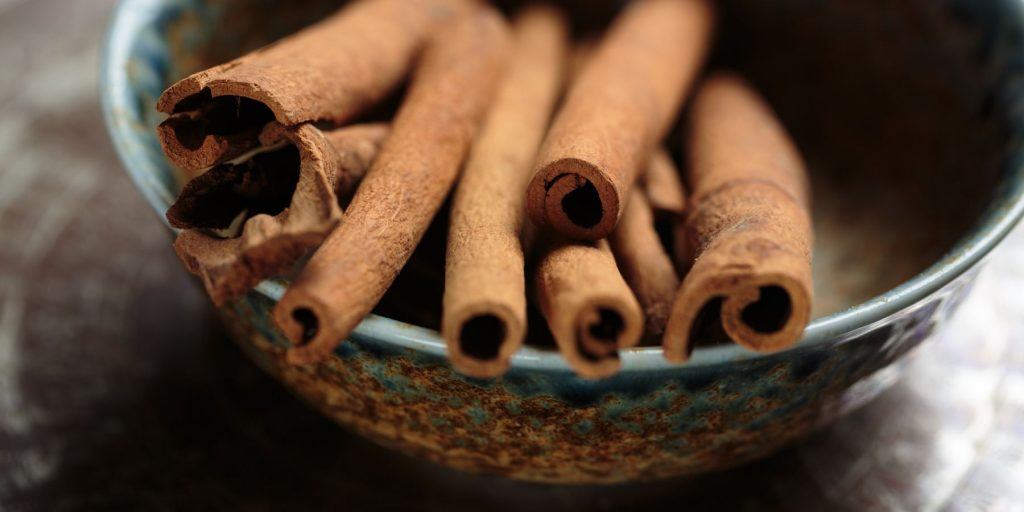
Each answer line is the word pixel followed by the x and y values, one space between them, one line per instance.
pixel 763 313
pixel 748 230
pixel 573 198
pixel 331 72
pixel 215 200
pixel 481 341
pixel 406 186
pixel 618 108
pixel 589 308
pixel 484 314
pixel 252 218
pixel 599 329
pixel 204 130
pixel 304 320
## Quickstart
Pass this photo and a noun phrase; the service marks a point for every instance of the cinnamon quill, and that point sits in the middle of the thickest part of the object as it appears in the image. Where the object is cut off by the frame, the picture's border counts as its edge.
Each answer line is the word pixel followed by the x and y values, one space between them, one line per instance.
pixel 484 317
pixel 589 308
pixel 331 71
pixel 413 172
pixel 645 264
pixel 748 228
pixel 616 112
pixel 663 187
pixel 666 195
pixel 252 219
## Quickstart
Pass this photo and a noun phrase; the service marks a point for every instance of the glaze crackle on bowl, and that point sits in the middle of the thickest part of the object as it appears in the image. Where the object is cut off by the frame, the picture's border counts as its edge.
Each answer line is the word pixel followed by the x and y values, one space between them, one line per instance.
pixel 910 119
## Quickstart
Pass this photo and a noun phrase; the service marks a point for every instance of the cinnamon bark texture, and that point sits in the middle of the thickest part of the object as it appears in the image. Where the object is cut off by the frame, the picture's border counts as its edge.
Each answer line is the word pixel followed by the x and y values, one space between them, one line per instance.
pixel 663 186
pixel 331 71
pixel 484 317
pixel 589 308
pixel 645 264
pixel 615 113
pixel 666 194
pixel 748 228
pixel 252 219
pixel 404 188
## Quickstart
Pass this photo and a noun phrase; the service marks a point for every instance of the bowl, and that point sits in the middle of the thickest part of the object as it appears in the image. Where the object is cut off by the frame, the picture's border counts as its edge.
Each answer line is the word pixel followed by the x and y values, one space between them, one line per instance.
pixel 911 120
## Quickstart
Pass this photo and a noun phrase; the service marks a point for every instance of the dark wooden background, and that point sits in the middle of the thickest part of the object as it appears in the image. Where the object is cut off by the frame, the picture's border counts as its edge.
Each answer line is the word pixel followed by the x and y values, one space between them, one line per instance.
pixel 119 391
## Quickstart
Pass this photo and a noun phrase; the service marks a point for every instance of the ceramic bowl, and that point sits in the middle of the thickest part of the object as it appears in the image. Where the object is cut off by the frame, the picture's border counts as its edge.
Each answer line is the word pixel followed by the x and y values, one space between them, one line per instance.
pixel 911 121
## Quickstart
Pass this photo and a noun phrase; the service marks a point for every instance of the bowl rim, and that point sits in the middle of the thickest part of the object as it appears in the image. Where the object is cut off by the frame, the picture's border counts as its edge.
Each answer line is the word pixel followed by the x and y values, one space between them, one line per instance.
pixel 131 17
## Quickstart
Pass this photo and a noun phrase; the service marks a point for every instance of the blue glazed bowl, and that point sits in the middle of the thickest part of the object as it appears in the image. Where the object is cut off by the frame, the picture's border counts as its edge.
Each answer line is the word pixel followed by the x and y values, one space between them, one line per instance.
pixel 912 123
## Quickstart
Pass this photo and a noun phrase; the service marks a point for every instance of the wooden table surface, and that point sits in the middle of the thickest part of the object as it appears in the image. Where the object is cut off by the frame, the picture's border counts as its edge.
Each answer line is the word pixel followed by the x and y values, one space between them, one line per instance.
pixel 119 391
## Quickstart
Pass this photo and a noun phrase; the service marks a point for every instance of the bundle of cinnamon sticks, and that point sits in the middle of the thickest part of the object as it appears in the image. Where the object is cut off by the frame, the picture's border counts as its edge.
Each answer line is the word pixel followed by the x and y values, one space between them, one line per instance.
pixel 553 152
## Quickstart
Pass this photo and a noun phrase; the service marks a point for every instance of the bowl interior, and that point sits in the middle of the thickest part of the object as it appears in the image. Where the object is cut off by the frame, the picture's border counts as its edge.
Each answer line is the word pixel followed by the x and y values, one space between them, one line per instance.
pixel 901 114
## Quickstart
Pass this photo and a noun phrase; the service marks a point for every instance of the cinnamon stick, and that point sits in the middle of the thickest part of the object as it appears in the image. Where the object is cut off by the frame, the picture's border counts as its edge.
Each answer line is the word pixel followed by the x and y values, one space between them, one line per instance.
pixel 590 310
pixel 579 56
pixel 250 220
pixel 666 194
pixel 331 71
pixel 616 112
pixel 484 317
pixel 663 186
pixel 748 228
pixel 403 190
pixel 644 263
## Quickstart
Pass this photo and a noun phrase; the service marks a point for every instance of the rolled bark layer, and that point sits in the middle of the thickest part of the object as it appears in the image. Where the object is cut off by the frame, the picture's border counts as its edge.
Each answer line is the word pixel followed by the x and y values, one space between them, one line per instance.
pixel 484 317
pixel 254 218
pixel 331 71
pixel 645 264
pixel 589 308
pixel 616 112
pixel 748 227
pixel 403 190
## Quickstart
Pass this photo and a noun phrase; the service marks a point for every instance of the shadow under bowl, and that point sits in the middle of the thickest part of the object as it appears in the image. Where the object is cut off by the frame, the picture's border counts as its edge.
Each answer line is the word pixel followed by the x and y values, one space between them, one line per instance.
pixel 910 119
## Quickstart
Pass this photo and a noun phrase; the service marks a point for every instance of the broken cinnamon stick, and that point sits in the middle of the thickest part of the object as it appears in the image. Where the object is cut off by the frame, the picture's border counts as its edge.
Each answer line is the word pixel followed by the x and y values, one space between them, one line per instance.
pixel 331 71
pixel 403 190
pixel 254 218
pixel 590 310
pixel 748 227
pixel 615 113
pixel 484 317
pixel 645 264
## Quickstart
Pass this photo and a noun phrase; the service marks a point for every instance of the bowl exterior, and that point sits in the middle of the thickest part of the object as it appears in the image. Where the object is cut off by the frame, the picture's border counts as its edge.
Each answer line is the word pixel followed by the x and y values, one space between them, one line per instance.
pixel 548 425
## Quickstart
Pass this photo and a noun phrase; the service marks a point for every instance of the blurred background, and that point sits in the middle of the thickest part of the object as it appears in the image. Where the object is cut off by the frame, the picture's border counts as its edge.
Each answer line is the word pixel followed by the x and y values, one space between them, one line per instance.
pixel 119 391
